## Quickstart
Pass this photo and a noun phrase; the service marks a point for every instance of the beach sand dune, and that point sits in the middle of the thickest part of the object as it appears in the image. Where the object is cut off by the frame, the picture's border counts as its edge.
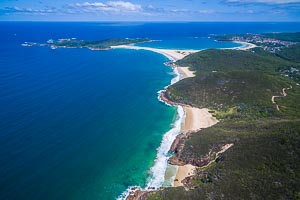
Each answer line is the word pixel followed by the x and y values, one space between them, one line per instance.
pixel 197 119
pixel 183 172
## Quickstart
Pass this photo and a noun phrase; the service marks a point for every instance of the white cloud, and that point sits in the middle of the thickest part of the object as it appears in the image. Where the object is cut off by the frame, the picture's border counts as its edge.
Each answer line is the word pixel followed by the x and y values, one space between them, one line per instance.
pixel 110 6
pixel 125 5
pixel 264 1
pixel 96 4
pixel 33 11
pixel 206 11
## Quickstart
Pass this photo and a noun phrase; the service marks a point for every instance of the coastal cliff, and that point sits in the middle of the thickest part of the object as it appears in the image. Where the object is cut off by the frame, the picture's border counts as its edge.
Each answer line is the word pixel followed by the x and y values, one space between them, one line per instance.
pixel 253 151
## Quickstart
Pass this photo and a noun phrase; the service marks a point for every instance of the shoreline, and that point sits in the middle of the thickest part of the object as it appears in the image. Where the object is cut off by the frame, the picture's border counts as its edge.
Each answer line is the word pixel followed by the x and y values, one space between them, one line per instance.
pixel 155 181
pixel 245 45
pixel 171 54
pixel 193 119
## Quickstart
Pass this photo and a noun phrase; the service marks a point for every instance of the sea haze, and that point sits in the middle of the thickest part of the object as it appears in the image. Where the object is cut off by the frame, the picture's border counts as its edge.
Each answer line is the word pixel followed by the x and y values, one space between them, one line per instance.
pixel 82 124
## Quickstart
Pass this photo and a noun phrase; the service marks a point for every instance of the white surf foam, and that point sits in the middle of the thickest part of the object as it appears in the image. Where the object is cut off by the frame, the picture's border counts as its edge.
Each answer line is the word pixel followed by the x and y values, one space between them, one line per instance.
pixel 157 172
pixel 177 76
pixel 128 191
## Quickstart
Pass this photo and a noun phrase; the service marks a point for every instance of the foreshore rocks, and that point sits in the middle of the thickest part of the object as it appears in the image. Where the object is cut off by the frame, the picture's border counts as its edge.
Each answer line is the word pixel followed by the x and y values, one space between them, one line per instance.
pixel 164 96
pixel 139 195
pixel 177 160
pixel 178 143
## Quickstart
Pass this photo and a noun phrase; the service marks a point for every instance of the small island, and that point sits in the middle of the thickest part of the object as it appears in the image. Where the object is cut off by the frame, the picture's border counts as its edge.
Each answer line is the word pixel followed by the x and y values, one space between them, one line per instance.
pixel 93 45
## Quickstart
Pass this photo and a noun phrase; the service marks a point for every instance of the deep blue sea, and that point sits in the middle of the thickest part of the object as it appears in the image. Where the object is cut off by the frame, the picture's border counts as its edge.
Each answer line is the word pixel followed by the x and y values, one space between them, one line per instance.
pixel 85 125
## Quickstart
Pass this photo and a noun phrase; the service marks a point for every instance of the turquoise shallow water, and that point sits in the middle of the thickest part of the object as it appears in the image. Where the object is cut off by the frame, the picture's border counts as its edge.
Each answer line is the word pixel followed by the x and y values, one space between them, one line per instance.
pixel 198 43
pixel 87 123
pixel 81 124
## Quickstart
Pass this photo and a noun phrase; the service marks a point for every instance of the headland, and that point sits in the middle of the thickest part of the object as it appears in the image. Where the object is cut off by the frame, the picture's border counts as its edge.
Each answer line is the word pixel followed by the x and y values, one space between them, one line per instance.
pixel 194 120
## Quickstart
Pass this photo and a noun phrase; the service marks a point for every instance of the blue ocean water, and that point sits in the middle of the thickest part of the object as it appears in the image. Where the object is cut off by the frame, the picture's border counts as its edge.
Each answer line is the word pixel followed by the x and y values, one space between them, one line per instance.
pixel 81 124
pixel 197 43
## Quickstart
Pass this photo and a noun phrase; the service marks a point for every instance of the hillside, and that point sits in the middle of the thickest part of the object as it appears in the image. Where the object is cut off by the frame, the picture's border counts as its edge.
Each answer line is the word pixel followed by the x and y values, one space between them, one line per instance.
pixel 291 53
pixel 100 44
pixel 237 86
pixel 293 37
pixel 234 80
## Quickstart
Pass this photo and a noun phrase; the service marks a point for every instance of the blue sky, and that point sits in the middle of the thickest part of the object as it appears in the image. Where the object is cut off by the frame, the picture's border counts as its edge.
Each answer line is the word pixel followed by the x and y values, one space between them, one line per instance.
pixel 150 10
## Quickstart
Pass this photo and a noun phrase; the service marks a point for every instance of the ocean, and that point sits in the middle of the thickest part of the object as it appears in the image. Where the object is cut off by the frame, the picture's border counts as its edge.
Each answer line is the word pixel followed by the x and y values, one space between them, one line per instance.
pixel 82 124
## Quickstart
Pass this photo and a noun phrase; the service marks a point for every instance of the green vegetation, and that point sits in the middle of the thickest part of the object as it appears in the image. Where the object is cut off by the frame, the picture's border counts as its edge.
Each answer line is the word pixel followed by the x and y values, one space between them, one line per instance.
pixel 272 42
pixel 101 44
pixel 292 37
pixel 262 164
pixel 228 79
pixel 237 86
pixel 293 72
pixel 231 60
pixel 291 53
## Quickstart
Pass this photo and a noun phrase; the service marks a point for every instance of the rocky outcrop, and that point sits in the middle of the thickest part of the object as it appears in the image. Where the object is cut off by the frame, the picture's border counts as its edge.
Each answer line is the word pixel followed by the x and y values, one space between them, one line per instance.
pixel 139 195
pixel 177 144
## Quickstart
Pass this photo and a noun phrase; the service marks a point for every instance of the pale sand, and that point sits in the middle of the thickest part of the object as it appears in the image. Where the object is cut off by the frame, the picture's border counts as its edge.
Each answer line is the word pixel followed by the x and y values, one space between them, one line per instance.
pixel 284 94
pixel 224 148
pixel 171 54
pixel 189 170
pixel 185 72
pixel 197 119
pixel 183 172
pixel 246 46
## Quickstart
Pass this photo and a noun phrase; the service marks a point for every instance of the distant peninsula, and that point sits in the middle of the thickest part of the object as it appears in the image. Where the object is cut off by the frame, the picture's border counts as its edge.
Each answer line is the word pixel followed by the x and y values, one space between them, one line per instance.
pixel 272 42
pixel 248 147
pixel 241 133
pixel 93 45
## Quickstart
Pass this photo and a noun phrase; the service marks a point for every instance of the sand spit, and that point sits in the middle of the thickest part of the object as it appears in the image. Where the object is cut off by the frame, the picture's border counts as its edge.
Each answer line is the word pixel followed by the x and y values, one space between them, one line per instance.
pixel 195 118
pixel 173 55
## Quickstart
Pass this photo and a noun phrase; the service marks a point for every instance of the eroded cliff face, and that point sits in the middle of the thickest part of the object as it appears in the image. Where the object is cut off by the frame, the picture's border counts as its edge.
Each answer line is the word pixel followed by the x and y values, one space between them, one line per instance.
pixel 139 195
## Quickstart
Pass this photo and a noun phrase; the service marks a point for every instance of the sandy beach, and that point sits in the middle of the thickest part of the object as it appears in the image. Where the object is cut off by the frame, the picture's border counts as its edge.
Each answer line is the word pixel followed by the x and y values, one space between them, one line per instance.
pixel 173 55
pixel 185 72
pixel 246 45
pixel 195 118
pixel 183 172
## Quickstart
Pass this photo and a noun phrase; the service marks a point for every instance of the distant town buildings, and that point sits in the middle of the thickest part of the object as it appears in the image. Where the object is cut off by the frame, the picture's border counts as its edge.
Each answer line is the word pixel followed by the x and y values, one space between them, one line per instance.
pixel 268 44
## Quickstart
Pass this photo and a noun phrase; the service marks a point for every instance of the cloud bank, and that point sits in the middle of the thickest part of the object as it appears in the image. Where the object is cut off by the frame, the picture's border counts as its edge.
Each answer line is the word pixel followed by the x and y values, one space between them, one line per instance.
pixel 213 10
pixel 86 7
pixel 264 1
pixel 110 6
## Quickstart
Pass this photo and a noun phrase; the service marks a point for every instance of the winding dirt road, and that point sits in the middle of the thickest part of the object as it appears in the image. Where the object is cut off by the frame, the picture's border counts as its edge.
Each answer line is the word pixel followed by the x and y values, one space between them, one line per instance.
pixel 284 94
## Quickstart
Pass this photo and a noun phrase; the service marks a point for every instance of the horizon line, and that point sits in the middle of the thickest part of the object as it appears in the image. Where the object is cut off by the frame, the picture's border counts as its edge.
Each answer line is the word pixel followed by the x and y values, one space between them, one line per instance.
pixel 154 21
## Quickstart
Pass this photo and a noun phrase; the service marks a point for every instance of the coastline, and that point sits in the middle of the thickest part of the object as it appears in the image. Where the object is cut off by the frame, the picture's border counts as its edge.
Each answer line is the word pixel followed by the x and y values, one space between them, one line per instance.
pixel 245 45
pixel 195 120
pixel 171 54
pixel 191 120
pixel 158 170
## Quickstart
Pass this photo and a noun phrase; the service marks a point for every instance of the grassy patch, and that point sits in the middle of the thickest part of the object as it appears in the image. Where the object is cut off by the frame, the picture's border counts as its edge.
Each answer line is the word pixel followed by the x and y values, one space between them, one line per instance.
pixel 264 162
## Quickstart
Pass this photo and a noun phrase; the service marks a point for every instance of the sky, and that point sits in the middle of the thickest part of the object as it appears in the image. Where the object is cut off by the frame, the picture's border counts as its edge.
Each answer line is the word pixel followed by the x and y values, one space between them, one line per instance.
pixel 150 10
